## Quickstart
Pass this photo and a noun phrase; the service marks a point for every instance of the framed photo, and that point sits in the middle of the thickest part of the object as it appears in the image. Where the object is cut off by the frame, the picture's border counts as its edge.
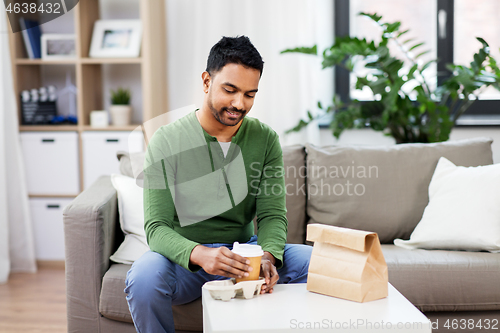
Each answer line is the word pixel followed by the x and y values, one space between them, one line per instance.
pixel 58 46
pixel 116 39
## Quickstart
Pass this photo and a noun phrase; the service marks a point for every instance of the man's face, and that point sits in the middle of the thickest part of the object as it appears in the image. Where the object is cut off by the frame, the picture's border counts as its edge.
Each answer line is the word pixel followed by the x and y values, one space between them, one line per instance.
pixel 231 92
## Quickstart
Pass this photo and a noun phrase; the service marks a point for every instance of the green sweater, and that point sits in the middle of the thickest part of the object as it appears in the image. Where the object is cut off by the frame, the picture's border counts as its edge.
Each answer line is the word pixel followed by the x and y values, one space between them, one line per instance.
pixel 216 197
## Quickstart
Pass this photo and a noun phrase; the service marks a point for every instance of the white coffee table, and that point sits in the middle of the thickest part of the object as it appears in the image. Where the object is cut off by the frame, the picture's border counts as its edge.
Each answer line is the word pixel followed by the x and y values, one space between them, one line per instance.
pixel 291 308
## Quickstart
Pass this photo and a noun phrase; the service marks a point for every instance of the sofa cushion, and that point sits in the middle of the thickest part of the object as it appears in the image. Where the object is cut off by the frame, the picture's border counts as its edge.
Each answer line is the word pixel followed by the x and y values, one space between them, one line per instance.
pixel 130 207
pixel 113 304
pixel 437 280
pixel 294 158
pixel 381 188
pixel 463 211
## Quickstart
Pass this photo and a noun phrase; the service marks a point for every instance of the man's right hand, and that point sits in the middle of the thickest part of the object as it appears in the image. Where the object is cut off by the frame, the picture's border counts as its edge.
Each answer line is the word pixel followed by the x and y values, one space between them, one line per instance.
pixel 220 261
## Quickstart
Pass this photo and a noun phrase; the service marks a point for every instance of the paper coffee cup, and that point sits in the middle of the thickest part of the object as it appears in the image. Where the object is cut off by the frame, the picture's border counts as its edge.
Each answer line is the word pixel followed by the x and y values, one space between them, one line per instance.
pixel 254 254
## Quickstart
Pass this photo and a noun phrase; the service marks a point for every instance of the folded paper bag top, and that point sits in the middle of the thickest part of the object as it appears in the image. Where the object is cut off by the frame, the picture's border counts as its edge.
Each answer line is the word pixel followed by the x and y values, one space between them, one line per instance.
pixel 346 263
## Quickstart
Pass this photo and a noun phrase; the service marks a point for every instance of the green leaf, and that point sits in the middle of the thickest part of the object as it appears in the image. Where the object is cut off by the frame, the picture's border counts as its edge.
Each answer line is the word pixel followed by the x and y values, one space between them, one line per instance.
pixel 306 50
pixel 421 54
pixel 475 66
pixel 402 33
pixel 120 96
pixel 412 71
pixel 415 46
pixel 319 105
pixel 482 41
pixel 332 60
pixel 408 40
pixel 297 128
pixel 479 59
pixel 486 79
pixel 451 67
pixel 372 109
pixel 427 64
pixel 374 17
pixel 391 27
pixel 309 115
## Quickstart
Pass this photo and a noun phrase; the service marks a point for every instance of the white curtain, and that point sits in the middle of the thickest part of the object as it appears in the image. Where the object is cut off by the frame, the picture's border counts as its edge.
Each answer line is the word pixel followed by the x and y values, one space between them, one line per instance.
pixel 291 83
pixel 17 252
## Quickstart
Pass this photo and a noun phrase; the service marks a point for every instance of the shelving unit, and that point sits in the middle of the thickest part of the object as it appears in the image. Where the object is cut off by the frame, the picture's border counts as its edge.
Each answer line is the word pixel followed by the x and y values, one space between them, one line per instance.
pixel 59 157
pixel 28 73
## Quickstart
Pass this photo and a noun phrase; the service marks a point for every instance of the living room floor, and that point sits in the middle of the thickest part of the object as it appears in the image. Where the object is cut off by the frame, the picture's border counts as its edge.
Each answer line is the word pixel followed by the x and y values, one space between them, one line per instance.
pixel 34 302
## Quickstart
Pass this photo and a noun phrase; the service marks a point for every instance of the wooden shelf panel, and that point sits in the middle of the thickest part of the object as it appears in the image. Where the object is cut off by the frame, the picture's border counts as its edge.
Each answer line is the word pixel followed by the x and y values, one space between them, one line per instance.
pixel 55 128
pixel 23 61
pixel 111 128
pixel 150 67
pixel 111 60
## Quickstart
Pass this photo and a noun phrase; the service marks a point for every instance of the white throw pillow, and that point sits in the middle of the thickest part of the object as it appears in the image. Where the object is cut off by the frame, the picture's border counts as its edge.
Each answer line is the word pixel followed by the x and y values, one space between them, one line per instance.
pixel 130 208
pixel 463 211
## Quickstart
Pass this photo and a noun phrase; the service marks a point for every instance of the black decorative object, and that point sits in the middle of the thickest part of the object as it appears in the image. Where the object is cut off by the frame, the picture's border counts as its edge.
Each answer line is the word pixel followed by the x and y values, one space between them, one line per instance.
pixel 38 113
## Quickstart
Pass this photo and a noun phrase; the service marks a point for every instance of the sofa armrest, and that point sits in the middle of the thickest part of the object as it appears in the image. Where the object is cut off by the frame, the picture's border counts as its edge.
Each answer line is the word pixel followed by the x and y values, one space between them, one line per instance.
pixel 89 233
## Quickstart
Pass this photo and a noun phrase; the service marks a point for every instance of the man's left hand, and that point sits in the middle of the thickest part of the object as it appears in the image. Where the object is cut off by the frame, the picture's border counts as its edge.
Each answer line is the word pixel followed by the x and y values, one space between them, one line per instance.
pixel 269 272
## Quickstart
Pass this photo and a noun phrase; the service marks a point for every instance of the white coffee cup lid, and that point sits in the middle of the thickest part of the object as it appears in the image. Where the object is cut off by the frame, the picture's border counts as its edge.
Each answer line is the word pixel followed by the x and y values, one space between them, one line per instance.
pixel 247 250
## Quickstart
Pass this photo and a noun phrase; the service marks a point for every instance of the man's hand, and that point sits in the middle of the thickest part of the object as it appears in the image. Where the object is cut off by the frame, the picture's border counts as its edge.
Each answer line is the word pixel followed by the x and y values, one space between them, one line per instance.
pixel 269 272
pixel 220 261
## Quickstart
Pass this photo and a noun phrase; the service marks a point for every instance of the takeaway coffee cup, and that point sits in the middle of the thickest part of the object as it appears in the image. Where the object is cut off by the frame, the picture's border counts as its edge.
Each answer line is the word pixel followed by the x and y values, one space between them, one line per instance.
pixel 254 254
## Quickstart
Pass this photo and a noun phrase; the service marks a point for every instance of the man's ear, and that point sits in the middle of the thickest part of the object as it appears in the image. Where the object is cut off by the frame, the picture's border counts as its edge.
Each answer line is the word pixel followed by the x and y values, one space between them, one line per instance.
pixel 207 80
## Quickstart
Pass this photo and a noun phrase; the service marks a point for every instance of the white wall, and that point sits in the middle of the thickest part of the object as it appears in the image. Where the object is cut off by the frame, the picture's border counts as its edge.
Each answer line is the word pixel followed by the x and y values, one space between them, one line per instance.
pixel 290 85
pixel 371 137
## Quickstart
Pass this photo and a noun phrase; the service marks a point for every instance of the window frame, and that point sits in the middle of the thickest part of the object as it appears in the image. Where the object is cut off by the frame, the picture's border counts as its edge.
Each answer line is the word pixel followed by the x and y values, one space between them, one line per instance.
pixel 482 113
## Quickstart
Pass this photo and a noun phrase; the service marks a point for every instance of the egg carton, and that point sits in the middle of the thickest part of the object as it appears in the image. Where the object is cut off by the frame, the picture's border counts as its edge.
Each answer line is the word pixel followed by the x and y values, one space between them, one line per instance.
pixel 225 290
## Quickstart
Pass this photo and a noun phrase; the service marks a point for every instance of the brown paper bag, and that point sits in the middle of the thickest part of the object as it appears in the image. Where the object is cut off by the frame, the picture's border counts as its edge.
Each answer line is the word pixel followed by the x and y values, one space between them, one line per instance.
pixel 346 263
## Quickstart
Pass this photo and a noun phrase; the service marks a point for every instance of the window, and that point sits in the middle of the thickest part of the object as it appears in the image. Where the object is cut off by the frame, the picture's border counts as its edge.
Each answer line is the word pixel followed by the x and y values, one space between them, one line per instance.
pixel 471 21
pixel 448 28
pixel 414 15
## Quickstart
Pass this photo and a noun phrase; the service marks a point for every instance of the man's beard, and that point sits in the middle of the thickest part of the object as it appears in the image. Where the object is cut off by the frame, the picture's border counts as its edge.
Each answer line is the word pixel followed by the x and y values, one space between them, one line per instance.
pixel 221 115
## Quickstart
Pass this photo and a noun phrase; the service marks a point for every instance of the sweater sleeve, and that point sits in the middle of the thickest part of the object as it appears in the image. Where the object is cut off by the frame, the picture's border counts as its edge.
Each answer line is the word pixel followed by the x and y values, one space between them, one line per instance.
pixel 159 209
pixel 272 223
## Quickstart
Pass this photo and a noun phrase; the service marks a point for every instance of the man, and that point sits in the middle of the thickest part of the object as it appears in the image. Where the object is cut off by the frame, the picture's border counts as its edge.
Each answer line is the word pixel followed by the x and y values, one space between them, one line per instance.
pixel 206 176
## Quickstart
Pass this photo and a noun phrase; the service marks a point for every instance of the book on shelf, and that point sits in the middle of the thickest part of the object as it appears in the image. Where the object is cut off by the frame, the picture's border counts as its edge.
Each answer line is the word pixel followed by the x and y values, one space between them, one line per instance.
pixel 31 36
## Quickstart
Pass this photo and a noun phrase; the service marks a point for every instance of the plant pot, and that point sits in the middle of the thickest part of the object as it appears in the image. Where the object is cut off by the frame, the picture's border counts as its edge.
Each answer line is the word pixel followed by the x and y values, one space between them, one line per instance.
pixel 120 114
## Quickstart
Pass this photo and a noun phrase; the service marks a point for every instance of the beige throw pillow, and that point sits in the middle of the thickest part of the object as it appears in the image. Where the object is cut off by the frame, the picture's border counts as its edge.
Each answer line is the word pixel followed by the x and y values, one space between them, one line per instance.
pixel 463 211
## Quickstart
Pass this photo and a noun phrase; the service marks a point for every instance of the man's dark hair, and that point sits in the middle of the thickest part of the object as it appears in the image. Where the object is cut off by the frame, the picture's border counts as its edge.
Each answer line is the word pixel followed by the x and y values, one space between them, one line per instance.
pixel 235 50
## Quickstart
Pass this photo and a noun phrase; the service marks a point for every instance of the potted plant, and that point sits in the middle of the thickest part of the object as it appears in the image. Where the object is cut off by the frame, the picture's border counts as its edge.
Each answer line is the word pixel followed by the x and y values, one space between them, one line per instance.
pixel 420 114
pixel 120 108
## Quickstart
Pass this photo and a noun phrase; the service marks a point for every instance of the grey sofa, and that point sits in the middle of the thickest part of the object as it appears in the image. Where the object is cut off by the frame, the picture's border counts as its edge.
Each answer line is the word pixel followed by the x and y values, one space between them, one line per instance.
pixel 445 285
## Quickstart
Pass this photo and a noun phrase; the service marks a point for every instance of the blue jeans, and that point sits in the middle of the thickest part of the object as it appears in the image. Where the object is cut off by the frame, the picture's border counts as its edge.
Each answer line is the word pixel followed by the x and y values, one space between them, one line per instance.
pixel 154 284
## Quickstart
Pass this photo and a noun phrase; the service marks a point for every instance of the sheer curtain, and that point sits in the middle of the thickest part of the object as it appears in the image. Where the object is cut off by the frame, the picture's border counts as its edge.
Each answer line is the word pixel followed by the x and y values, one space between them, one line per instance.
pixel 17 252
pixel 291 84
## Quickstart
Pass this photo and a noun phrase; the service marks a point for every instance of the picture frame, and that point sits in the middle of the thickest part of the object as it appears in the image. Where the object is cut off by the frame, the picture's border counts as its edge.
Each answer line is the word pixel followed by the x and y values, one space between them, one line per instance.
pixel 58 46
pixel 116 39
